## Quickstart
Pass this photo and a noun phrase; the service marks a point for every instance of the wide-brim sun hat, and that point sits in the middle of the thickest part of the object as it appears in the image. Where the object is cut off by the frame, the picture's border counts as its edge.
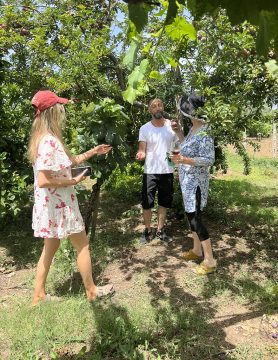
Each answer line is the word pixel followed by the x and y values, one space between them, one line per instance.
pixel 188 104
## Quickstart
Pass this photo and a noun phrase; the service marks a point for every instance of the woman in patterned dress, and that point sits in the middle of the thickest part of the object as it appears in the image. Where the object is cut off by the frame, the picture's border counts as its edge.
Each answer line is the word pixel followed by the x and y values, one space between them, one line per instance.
pixel 56 212
pixel 195 158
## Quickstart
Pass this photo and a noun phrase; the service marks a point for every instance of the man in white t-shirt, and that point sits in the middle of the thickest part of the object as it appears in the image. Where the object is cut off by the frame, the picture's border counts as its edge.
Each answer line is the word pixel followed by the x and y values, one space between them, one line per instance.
pixel 155 139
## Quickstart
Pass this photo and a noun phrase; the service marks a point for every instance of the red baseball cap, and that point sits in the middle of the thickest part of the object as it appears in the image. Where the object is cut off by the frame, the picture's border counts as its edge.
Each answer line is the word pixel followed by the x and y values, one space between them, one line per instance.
pixel 44 99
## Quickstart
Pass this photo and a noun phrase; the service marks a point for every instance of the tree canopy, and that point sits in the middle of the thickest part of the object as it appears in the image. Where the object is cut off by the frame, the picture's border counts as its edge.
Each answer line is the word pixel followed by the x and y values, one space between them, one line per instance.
pixel 65 46
pixel 91 52
pixel 263 13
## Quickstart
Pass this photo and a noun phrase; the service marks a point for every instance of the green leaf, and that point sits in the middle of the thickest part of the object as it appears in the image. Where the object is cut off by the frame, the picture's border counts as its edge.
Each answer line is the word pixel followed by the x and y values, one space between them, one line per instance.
pixel 147 48
pixel 157 34
pixel 138 14
pixel 155 75
pixel 172 62
pixel 275 290
pixel 272 68
pixel 143 88
pixel 263 13
pixel 129 94
pixel 172 11
pixel 97 174
pixel 53 355
pixel 89 108
pixel 138 73
pixel 82 352
pixel 160 13
pixel 131 54
pixel 135 82
pixel 180 28
pixel 132 32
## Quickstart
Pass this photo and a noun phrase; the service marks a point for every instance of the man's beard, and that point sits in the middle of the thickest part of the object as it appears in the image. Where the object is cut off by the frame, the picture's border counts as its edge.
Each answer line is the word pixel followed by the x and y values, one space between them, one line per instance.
pixel 158 115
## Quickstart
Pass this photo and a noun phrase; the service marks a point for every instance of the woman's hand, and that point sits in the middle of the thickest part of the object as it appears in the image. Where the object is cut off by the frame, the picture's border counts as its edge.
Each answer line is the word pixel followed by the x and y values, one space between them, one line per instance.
pixel 46 180
pixel 97 150
pixel 102 149
pixel 179 159
pixel 176 159
pixel 80 177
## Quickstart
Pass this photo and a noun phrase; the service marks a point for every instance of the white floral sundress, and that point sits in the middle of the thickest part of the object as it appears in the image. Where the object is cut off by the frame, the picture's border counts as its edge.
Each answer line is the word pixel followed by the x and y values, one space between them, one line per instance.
pixel 200 147
pixel 56 212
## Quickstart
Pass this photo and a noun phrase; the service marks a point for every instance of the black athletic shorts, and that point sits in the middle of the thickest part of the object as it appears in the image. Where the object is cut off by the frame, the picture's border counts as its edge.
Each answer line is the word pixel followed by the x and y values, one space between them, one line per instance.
pixel 161 183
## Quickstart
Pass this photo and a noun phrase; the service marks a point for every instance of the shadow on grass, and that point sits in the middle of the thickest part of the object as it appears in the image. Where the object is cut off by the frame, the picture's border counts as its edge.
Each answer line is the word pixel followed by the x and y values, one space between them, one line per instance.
pixel 17 238
pixel 184 328
pixel 108 245
pixel 241 209
pixel 257 297
pixel 182 331
pixel 239 199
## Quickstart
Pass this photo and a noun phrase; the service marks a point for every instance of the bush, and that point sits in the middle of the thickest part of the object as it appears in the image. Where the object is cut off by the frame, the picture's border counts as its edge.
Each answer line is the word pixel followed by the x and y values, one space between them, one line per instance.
pixel 13 189
pixel 125 185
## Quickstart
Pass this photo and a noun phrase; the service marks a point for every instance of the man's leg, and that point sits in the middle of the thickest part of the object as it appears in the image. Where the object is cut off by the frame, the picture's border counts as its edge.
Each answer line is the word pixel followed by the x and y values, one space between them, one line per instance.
pixel 148 194
pixel 147 216
pixel 161 217
pixel 165 198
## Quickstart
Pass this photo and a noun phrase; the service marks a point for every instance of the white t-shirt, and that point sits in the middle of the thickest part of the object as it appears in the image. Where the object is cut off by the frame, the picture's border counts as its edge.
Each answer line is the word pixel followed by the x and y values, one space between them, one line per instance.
pixel 158 142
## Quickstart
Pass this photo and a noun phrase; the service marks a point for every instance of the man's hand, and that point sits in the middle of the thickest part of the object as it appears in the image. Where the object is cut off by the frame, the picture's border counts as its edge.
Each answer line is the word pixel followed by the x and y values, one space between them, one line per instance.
pixel 140 155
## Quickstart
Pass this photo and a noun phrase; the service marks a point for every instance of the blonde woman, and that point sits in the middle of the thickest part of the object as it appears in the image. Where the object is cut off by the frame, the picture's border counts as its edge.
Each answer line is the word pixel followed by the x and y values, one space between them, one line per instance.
pixel 56 212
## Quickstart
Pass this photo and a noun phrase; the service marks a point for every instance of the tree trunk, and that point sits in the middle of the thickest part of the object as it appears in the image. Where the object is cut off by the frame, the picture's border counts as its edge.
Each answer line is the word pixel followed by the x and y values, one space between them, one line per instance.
pixel 92 209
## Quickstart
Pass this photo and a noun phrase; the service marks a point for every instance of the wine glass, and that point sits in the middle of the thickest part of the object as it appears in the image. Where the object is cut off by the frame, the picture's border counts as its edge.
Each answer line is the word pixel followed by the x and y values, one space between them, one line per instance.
pixel 175 150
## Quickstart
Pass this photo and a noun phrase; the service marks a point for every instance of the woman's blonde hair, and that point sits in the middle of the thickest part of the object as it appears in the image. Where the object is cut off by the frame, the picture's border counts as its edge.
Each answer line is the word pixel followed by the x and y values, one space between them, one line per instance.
pixel 48 121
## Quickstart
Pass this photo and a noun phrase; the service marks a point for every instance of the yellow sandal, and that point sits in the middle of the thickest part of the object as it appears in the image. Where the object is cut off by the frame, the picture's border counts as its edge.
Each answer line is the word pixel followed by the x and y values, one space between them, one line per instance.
pixel 203 269
pixel 190 255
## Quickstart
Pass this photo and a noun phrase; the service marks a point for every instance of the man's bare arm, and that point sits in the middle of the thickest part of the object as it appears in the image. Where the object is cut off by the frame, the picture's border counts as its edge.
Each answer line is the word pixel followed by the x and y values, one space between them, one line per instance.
pixel 141 153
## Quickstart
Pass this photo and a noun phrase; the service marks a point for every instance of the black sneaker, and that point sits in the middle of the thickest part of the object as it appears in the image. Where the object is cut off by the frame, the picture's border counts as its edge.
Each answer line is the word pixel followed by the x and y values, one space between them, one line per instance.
pixel 161 235
pixel 145 237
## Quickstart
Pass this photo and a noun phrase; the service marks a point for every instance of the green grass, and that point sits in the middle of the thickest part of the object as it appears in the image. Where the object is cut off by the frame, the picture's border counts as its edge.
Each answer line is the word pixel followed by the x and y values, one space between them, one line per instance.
pixel 246 198
pixel 151 318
